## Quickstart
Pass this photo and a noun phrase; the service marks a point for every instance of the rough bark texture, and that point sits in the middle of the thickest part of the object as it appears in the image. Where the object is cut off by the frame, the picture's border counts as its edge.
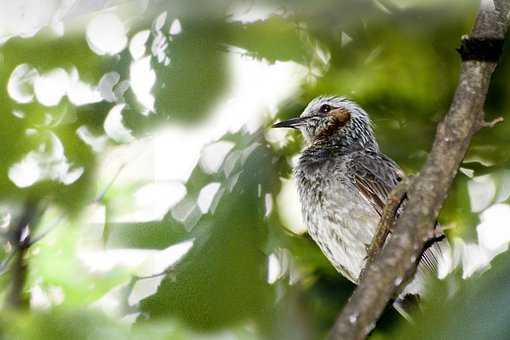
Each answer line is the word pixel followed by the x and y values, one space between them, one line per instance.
pixel 427 192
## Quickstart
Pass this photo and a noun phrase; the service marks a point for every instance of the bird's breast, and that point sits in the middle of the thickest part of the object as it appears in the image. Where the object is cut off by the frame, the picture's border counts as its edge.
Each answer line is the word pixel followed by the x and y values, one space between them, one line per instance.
pixel 338 218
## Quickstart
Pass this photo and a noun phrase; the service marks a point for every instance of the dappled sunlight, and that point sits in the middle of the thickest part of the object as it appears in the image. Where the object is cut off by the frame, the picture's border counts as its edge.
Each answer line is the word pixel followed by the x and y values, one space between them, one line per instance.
pixel 481 190
pixel 26 17
pixel 281 264
pixel 80 92
pixel 493 231
pixel 106 34
pixel 49 88
pixel 245 12
pixel 151 202
pixel 175 27
pixel 213 155
pixel 110 88
pixel 47 162
pixel 257 89
pixel 114 127
pixel 187 212
pixel 142 79
pixel 206 196
pixel 137 44
pixel 141 262
pixel 21 82
pixel 144 288
pixel 160 43
pixel 155 198
pixel 493 239
pixel 278 137
pixel 44 298
pixel 493 235
pixel 96 143
pixel 268 200
pixel 289 207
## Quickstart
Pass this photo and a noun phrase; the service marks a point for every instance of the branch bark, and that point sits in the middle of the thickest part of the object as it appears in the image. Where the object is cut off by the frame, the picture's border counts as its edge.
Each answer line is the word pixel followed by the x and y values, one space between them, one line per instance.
pixel 386 223
pixel 20 239
pixel 428 191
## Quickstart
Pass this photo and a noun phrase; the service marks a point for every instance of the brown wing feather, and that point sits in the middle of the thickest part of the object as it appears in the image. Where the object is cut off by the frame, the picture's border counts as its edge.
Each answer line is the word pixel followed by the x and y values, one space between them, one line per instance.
pixel 375 176
pixel 373 193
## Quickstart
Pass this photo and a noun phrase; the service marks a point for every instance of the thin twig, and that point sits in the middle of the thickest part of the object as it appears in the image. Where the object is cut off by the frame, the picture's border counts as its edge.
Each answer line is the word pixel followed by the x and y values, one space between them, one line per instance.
pixel 5 263
pixel 43 234
pixel 165 272
pixel 99 198
pixel 103 193
pixel 492 123
pixel 121 168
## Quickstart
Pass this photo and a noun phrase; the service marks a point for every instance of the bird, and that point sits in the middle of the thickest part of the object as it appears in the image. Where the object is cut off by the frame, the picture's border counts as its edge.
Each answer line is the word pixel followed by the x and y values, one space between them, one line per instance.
pixel 343 182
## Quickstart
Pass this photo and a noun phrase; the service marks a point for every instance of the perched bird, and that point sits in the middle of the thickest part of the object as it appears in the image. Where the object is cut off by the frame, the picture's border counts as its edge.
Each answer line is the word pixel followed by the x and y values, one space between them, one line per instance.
pixel 343 180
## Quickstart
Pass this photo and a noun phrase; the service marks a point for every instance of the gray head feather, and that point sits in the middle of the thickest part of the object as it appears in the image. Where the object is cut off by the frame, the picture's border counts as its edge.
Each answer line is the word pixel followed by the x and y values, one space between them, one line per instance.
pixel 320 126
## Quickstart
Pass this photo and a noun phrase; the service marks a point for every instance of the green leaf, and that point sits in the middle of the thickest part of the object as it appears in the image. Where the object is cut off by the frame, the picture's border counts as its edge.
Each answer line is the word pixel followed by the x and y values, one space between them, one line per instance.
pixel 273 39
pixel 150 235
pixel 222 280
pixel 477 310
pixel 197 74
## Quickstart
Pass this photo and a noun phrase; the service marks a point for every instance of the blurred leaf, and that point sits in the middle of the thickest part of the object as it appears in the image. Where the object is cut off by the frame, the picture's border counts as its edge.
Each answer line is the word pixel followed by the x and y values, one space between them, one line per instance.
pixel 273 39
pixel 85 325
pixel 60 324
pixel 45 53
pixel 222 280
pixel 457 210
pixel 55 263
pixel 478 310
pixel 197 75
pixel 151 235
pixel 396 58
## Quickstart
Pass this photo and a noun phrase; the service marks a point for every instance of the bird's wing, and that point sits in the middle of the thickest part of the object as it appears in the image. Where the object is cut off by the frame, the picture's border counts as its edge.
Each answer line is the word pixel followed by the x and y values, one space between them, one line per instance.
pixel 375 176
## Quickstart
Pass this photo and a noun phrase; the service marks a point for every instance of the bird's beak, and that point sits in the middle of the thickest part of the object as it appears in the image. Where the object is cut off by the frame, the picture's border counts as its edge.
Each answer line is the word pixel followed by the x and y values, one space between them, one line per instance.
pixel 290 123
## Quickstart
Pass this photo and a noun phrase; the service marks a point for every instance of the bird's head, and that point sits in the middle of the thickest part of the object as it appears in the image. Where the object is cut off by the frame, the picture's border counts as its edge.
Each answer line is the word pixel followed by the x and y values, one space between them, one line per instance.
pixel 330 119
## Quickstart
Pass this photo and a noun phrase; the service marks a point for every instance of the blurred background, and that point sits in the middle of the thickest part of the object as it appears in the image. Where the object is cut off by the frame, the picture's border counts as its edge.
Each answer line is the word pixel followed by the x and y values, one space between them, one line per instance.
pixel 142 193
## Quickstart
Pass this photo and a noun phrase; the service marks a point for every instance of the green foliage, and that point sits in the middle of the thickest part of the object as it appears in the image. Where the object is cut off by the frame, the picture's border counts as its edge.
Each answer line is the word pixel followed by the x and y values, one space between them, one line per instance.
pixel 272 39
pixel 477 311
pixel 396 58
pixel 46 54
pixel 196 55
pixel 59 324
pixel 210 286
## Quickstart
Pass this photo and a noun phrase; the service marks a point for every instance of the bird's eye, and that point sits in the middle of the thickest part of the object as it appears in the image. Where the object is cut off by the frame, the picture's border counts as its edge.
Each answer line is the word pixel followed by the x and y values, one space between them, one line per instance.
pixel 325 108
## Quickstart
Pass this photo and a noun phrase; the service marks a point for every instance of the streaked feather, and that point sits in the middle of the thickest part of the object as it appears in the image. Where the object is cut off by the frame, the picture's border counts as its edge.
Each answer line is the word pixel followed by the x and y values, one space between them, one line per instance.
pixel 375 176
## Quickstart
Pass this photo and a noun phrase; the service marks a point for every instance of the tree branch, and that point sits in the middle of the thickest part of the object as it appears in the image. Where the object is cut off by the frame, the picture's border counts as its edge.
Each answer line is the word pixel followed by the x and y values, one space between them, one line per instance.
pixel 387 221
pixel 428 191
pixel 19 236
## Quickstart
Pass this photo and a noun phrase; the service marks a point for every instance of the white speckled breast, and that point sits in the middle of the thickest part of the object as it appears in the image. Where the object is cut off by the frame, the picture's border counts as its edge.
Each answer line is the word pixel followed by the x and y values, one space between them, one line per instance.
pixel 338 218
